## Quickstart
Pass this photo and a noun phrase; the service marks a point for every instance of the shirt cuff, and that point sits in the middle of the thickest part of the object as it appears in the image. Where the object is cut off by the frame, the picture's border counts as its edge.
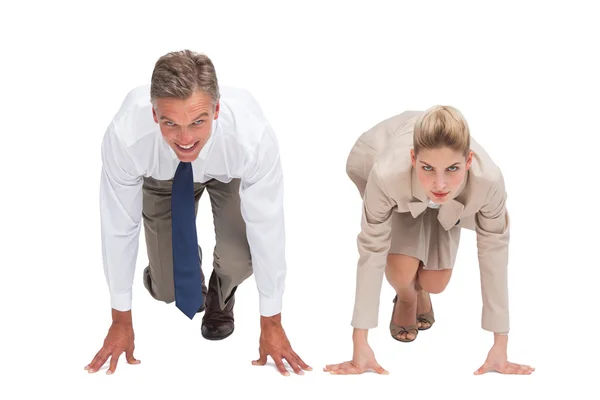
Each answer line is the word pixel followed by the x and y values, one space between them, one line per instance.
pixel 121 301
pixel 270 306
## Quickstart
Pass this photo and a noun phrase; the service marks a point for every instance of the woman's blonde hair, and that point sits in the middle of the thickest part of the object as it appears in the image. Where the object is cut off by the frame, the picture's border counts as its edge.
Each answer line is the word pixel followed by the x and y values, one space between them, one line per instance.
pixel 442 126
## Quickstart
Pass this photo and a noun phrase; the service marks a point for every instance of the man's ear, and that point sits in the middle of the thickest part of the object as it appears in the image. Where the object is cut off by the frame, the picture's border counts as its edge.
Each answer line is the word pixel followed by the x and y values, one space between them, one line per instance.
pixel 154 115
pixel 217 109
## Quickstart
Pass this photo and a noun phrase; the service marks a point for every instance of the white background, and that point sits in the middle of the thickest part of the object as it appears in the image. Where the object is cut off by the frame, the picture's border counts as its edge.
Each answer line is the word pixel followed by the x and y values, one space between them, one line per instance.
pixel 525 74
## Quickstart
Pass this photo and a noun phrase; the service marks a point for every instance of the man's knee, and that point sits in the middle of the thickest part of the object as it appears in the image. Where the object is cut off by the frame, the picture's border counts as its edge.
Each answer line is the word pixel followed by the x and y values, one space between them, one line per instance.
pixel 159 290
pixel 235 265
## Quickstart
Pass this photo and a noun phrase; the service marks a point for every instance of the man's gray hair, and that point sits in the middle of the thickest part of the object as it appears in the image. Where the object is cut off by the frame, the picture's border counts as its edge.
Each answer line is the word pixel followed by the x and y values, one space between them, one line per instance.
pixel 179 74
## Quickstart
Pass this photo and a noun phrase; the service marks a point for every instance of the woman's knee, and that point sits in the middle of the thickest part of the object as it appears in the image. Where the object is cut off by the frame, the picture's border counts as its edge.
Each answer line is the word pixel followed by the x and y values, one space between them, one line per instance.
pixel 434 281
pixel 401 270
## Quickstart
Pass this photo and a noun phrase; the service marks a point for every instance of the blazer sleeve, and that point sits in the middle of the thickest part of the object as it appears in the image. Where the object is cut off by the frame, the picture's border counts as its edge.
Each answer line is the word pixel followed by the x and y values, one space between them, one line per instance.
pixel 373 246
pixel 492 226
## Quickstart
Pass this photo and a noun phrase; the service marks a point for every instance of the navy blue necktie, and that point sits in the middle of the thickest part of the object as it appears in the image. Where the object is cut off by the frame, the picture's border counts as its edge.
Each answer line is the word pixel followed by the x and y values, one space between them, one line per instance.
pixel 186 260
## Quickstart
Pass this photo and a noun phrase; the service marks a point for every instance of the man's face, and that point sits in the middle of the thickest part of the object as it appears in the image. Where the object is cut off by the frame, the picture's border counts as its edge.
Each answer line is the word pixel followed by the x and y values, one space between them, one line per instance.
pixel 186 124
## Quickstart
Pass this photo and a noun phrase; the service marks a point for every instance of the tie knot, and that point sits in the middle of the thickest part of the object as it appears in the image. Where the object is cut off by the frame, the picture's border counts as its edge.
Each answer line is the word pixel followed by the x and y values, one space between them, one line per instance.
pixel 183 169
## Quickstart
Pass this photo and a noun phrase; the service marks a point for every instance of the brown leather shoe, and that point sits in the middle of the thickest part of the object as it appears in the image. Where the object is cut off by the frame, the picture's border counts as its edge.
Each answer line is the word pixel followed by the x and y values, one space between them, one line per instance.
pixel 217 324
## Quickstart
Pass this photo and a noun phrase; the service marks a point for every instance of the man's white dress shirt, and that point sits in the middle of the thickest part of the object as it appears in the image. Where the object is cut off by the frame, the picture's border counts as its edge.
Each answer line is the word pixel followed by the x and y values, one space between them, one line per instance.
pixel 242 145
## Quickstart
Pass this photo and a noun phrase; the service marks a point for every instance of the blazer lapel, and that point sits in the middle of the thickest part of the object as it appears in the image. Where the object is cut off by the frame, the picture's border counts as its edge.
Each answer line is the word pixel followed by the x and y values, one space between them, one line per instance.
pixel 449 213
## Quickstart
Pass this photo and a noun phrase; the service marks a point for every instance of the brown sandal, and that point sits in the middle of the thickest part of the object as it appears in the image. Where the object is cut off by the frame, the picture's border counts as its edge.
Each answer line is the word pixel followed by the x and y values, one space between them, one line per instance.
pixel 397 330
pixel 426 318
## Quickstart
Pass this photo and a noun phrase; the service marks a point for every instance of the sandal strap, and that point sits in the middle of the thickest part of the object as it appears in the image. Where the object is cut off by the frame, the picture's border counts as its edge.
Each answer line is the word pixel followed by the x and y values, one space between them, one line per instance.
pixel 398 329
pixel 426 317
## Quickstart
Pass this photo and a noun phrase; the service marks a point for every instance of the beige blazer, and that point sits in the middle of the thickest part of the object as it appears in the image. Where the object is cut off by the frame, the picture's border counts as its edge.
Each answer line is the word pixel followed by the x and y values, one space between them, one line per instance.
pixel 380 165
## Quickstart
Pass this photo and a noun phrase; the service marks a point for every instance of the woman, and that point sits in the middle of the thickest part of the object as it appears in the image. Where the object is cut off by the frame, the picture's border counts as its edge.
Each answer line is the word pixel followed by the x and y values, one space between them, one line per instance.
pixel 422 178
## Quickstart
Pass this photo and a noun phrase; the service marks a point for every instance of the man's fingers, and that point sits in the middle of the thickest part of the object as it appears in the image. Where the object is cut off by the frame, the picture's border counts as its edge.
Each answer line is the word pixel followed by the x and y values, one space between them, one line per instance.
pixel 293 361
pixel 114 359
pixel 97 357
pixel 88 367
pixel 262 358
pixel 301 362
pixel 99 361
pixel 279 363
pixel 130 358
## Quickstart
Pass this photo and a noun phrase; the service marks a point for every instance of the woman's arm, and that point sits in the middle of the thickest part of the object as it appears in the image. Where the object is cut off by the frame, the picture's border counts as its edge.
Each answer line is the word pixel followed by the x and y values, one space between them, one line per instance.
pixel 492 225
pixel 373 246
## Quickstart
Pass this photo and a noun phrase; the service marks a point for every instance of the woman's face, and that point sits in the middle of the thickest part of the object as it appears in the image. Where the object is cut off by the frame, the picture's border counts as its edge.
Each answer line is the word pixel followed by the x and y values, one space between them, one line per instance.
pixel 441 172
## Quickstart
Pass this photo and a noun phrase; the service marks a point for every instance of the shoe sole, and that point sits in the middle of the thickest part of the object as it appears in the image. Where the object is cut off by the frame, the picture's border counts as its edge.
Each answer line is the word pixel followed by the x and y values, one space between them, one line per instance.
pixel 218 337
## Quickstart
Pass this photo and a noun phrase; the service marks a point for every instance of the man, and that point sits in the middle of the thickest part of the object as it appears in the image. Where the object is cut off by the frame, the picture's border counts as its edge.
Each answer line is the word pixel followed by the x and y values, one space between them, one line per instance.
pixel 168 142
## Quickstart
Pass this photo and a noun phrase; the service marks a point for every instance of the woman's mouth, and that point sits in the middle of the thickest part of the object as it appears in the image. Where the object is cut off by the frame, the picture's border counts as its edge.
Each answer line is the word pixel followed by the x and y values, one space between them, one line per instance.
pixel 440 195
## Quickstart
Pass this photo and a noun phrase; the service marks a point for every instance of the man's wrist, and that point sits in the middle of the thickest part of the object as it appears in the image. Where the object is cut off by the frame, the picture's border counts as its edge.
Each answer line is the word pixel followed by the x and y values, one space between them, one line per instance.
pixel 121 317
pixel 271 321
